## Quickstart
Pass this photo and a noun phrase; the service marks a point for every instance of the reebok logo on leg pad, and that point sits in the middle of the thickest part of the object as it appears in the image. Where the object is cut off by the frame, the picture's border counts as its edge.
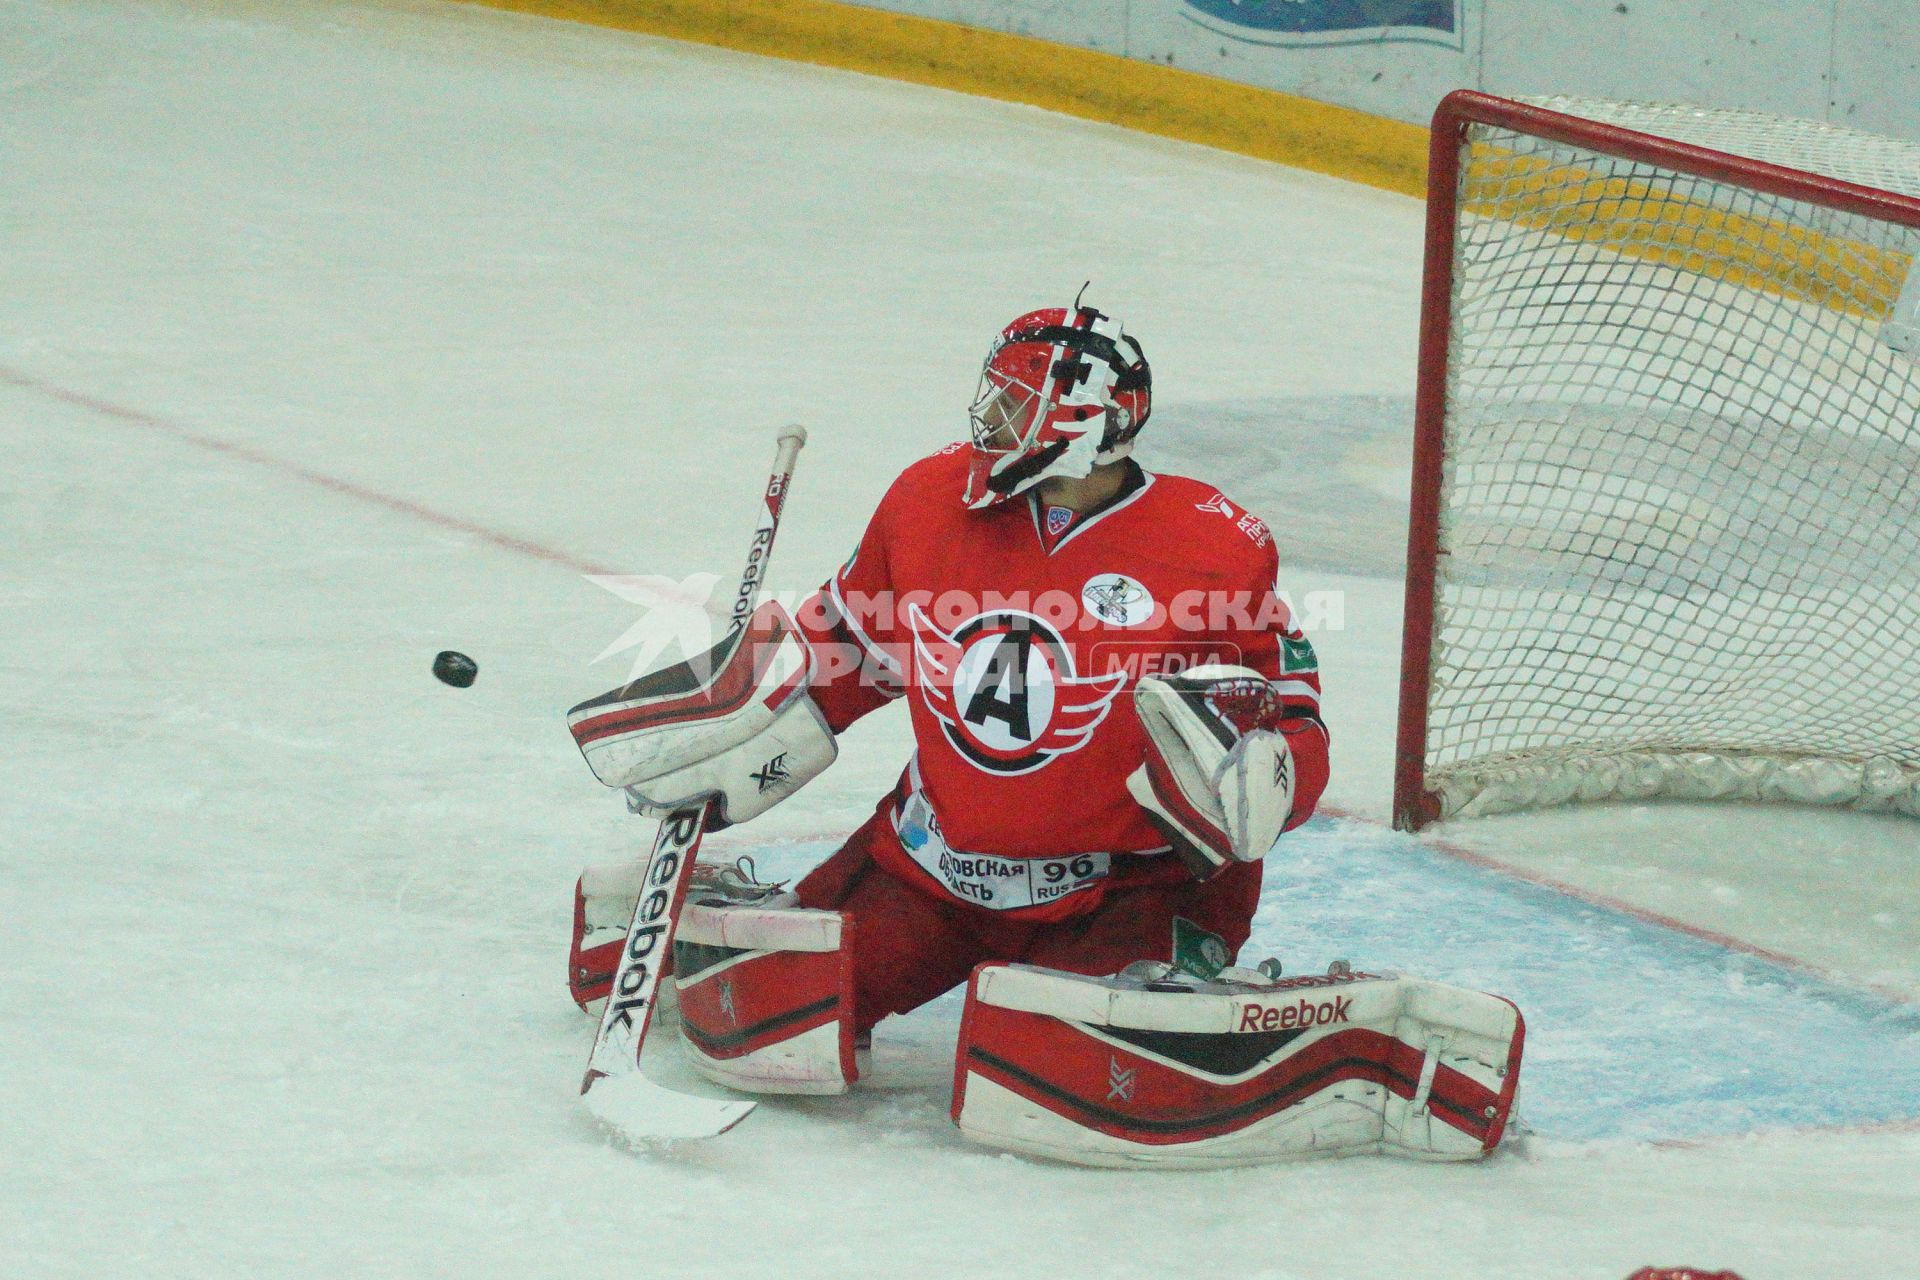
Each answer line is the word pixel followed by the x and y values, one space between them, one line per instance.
pixel 1229 1072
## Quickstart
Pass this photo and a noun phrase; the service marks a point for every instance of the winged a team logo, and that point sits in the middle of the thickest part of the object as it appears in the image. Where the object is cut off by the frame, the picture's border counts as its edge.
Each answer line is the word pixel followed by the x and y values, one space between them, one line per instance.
pixel 1003 688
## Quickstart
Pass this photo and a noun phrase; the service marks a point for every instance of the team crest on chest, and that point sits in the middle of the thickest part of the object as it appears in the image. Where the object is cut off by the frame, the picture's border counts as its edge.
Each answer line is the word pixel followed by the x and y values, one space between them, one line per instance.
pixel 1004 689
pixel 1117 600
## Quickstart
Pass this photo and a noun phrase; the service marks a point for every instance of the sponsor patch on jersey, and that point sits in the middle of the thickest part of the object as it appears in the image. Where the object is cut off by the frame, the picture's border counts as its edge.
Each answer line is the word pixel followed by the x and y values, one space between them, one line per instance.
pixel 1004 690
pixel 1297 655
pixel 1117 600
pixel 1248 523
pixel 1197 951
pixel 998 884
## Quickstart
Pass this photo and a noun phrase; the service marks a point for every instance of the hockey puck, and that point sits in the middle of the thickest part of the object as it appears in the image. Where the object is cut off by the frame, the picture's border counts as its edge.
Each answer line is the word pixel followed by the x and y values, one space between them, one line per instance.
pixel 456 669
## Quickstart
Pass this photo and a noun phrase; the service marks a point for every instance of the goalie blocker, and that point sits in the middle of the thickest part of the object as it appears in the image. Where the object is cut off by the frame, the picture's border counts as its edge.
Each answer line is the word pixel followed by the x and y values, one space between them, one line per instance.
pixel 1157 1068
pixel 736 725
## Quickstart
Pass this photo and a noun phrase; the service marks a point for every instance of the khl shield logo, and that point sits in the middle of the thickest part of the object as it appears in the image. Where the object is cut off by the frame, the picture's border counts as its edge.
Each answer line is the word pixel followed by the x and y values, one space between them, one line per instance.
pixel 1004 689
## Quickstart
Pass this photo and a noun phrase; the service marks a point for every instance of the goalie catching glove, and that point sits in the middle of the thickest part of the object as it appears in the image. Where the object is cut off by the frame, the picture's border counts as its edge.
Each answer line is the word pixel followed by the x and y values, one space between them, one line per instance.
pixel 736 724
pixel 1218 779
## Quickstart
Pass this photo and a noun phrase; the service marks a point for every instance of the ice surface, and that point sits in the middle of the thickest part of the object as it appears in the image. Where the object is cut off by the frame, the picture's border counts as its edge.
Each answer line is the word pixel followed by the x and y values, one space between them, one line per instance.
pixel 643 1112
pixel 338 334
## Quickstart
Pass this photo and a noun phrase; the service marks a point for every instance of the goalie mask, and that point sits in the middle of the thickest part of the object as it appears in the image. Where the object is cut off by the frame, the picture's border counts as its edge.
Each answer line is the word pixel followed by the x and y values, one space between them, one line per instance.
pixel 1063 388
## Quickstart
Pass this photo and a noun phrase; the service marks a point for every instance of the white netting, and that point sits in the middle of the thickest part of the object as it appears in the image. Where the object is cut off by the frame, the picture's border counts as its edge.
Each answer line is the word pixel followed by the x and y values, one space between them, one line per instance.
pixel 1680 499
pixel 1866 159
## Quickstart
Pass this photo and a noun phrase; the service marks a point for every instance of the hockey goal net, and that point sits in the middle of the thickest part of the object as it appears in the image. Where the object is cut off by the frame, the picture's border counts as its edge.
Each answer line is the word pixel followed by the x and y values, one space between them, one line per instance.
pixel 1666 512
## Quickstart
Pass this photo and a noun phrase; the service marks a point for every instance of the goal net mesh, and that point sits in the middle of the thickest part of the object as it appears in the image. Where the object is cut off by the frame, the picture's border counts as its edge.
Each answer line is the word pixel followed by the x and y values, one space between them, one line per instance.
pixel 1680 490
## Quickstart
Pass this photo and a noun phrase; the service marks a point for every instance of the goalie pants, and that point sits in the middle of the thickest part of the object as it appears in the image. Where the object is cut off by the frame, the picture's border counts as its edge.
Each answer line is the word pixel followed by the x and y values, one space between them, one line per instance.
pixel 910 947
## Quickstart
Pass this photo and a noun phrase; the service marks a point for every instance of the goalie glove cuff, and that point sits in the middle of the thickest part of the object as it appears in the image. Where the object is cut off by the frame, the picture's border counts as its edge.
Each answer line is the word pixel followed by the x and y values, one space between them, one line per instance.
pixel 749 778
pixel 1218 776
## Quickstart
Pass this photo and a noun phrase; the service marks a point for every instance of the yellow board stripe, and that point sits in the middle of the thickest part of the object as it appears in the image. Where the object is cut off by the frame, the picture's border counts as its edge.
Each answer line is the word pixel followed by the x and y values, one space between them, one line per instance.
pixel 1139 95
pixel 1630 219
pixel 1638 220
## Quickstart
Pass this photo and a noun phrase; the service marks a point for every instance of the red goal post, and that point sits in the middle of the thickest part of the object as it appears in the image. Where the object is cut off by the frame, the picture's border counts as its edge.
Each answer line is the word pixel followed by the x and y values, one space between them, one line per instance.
pixel 1665 524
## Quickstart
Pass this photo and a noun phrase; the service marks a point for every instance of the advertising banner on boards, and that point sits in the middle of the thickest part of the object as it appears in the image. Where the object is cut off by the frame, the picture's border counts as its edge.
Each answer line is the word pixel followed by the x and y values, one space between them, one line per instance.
pixel 1308 23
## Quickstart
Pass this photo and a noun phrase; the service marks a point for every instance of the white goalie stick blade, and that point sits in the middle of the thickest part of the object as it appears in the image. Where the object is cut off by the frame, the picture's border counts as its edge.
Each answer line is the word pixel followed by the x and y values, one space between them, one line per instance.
pixel 615 1090
pixel 641 1111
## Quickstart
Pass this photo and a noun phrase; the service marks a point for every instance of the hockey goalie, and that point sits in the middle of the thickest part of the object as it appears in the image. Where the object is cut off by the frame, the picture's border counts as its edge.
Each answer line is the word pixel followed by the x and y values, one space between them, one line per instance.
pixel 1115 721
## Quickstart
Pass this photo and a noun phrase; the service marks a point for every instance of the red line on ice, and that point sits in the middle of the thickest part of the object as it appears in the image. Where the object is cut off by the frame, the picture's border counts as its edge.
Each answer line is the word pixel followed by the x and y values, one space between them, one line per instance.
pixel 334 484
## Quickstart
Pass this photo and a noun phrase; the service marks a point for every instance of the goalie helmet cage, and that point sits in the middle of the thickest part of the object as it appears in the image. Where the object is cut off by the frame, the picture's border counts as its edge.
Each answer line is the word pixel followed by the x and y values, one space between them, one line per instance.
pixel 1665 524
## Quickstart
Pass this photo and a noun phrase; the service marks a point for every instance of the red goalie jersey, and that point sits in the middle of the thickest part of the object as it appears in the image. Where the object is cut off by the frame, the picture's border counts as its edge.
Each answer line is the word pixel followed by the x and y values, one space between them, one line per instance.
pixel 1016 633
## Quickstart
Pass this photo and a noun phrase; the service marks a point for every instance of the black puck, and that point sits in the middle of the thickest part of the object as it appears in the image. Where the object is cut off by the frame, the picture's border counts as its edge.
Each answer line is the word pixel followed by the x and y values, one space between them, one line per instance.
pixel 456 669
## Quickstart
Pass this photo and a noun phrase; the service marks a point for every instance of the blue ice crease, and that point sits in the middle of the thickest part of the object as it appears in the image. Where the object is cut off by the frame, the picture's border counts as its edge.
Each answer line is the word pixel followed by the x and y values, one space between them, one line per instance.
pixel 1634 1031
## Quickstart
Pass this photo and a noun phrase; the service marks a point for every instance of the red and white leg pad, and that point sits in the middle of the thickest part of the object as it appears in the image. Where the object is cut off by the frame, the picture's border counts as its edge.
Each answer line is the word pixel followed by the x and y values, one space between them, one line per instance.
pixel 603 902
pixel 766 997
pixel 1132 1070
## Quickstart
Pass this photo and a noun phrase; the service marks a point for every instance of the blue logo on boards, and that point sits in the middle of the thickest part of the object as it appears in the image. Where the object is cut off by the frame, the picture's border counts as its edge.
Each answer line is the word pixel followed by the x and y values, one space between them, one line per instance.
pixel 1333 22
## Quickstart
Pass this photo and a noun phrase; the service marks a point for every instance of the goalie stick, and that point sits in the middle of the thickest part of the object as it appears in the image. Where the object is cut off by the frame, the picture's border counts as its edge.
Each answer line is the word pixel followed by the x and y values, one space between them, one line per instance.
pixel 615 1089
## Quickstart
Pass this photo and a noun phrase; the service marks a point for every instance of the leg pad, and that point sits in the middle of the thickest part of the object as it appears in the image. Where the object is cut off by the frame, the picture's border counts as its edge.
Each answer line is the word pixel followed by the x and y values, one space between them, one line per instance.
pixel 1132 1071
pixel 766 997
